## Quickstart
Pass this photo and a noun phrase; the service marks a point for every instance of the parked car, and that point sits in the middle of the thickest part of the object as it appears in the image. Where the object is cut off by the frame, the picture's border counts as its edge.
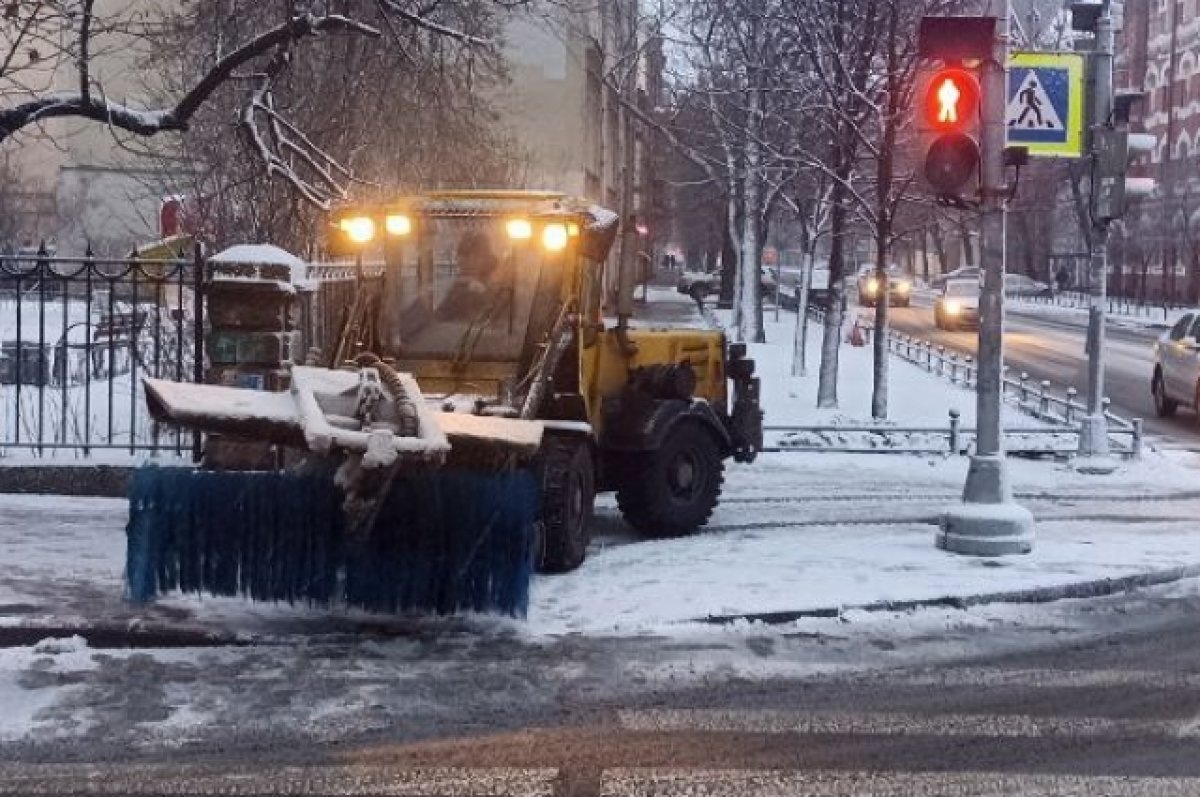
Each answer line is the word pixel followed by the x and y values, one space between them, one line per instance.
pixel 1022 286
pixel 967 272
pixel 699 284
pixel 1176 377
pixel 819 289
pixel 958 305
pixel 899 287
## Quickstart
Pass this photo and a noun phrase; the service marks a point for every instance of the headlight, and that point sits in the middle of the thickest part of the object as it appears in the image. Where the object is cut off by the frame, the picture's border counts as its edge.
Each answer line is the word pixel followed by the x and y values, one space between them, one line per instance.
pixel 519 229
pixel 902 286
pixel 398 225
pixel 953 307
pixel 555 237
pixel 360 229
pixel 872 285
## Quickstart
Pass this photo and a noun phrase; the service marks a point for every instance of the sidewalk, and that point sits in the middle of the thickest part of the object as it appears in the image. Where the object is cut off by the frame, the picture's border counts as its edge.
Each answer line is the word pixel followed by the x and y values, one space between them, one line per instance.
pixel 1155 319
pixel 796 534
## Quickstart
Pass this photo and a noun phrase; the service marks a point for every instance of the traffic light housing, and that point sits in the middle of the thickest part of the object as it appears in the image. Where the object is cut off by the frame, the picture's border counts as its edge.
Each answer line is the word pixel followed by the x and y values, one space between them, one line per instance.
pixel 948 124
pixel 1116 150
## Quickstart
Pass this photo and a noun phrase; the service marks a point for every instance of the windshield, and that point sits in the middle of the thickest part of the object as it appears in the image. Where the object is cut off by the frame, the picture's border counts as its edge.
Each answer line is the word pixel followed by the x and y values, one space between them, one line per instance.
pixel 462 289
pixel 962 288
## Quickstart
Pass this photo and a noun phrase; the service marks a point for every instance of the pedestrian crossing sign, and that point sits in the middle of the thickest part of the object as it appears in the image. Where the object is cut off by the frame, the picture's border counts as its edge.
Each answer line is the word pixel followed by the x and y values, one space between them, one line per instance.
pixel 1045 103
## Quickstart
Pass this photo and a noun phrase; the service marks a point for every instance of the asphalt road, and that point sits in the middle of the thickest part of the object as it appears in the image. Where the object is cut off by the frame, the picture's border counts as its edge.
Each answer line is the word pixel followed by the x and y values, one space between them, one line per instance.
pixel 1053 349
pixel 1114 713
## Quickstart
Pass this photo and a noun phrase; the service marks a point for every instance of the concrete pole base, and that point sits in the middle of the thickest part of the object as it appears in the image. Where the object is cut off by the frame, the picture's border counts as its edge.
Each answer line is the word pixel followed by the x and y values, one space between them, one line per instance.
pixel 1093 437
pixel 986 530
pixel 988 522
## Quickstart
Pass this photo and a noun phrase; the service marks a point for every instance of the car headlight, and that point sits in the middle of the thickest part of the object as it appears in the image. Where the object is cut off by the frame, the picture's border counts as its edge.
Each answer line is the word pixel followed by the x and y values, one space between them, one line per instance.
pixel 903 287
pixel 953 307
pixel 872 285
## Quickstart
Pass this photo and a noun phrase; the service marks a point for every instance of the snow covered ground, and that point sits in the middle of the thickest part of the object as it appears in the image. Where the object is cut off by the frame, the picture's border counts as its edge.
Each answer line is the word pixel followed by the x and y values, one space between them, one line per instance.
pixel 1155 318
pixel 795 532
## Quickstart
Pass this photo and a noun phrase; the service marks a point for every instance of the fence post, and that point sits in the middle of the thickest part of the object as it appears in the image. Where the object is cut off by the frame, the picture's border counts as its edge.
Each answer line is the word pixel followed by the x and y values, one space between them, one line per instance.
pixel 954 368
pixel 928 356
pixel 1044 399
pixel 198 334
pixel 1069 413
pixel 1135 442
pixel 955 424
pixel 941 369
pixel 968 371
pixel 1024 387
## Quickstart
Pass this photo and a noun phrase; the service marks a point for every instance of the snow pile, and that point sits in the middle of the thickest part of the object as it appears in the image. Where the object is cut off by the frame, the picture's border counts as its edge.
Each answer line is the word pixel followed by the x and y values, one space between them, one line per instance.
pixel 55 646
pixel 258 262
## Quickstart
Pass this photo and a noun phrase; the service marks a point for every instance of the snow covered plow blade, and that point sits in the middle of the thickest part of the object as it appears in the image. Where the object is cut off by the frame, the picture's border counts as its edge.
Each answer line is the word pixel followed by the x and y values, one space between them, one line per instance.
pixel 376 501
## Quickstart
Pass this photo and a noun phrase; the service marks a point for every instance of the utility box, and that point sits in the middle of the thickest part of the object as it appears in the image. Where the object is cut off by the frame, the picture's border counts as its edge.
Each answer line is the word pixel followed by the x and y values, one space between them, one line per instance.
pixel 255 298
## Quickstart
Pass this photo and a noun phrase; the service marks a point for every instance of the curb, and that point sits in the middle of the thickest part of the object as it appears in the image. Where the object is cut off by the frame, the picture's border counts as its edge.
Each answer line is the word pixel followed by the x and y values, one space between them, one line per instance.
pixel 109 637
pixel 79 481
pixel 1085 589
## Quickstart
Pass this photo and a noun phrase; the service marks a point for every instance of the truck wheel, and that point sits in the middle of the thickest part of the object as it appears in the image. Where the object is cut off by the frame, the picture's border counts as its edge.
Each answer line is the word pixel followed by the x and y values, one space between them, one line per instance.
pixel 568 484
pixel 1164 407
pixel 673 491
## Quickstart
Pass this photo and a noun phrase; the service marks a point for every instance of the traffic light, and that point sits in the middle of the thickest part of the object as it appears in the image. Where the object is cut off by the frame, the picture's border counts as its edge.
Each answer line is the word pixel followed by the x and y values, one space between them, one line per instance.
pixel 1115 151
pixel 948 125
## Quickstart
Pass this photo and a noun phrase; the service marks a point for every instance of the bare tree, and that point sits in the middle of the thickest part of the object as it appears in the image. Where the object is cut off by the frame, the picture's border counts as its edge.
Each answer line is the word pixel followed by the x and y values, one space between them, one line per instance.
pixel 269 50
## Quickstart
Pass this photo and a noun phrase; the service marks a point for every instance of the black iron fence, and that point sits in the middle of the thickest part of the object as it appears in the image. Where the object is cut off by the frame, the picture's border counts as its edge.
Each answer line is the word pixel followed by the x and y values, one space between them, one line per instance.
pixel 78 335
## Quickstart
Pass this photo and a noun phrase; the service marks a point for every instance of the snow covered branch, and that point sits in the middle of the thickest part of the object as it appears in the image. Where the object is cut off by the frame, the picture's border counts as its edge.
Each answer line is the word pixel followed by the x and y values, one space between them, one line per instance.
pixel 88 105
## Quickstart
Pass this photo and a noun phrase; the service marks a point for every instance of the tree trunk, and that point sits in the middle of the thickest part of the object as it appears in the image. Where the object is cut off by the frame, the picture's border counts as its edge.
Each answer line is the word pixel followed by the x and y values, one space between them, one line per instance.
pixel 827 389
pixel 968 250
pixel 884 174
pixel 751 286
pixel 800 338
pixel 736 247
pixel 925 255
pixel 939 244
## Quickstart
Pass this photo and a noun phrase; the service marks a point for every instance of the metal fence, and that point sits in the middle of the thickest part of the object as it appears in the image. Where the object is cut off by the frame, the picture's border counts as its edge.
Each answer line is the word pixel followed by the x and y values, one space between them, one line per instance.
pixel 1038 399
pixel 338 316
pixel 1117 305
pixel 1060 412
pixel 78 335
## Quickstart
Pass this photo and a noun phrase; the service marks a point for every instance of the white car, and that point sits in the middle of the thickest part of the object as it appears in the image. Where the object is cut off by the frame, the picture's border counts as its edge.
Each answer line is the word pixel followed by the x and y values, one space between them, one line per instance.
pixel 958 304
pixel 1176 377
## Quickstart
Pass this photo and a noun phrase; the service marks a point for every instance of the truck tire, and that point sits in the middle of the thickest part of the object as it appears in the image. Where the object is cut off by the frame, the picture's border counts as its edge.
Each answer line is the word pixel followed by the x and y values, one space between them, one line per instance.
pixel 568 483
pixel 673 491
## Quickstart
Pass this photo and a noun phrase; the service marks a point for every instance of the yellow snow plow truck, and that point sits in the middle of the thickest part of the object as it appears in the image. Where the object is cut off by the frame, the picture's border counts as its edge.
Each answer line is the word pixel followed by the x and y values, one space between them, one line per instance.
pixel 455 435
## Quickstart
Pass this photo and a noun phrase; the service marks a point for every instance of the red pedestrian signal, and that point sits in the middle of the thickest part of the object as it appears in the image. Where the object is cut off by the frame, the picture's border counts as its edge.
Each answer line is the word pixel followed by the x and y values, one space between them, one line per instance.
pixel 947 120
pixel 951 99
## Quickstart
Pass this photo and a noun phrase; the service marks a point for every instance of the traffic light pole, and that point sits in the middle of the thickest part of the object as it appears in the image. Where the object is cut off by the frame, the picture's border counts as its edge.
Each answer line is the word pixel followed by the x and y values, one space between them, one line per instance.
pixel 1093 434
pixel 989 522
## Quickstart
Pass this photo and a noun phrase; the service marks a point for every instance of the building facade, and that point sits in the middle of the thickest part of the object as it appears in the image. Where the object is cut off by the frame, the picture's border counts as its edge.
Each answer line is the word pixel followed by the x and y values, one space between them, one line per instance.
pixel 561 107
pixel 1159 53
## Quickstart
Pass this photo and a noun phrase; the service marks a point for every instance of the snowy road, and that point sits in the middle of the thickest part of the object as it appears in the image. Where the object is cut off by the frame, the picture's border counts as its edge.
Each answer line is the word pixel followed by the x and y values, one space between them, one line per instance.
pixel 1053 349
pixel 1084 699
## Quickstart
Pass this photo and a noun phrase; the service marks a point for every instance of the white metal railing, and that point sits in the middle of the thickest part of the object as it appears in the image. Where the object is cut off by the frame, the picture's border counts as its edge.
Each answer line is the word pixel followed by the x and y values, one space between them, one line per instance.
pixel 1037 399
